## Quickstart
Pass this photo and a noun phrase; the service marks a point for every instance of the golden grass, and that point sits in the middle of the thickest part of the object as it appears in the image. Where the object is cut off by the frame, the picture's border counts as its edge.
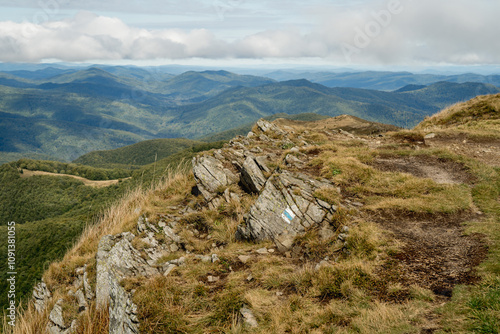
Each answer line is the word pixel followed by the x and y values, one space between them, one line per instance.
pixel 119 217
pixel 479 116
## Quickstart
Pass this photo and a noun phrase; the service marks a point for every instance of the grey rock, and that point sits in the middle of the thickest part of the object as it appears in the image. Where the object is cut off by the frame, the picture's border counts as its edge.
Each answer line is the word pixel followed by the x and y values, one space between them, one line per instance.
pixel 204 258
pixel 122 311
pixel 263 161
pixel 293 161
pixel 430 136
pixel 210 176
pixel 256 150
pixel 342 236
pixel 82 302
pixel 213 279
pixel 41 296
pixel 251 176
pixel 261 251
pixel 264 138
pixel 169 269
pixel 286 205
pixel 266 126
pixel 56 315
pixel 348 134
pixel 248 317
pixel 117 259
pixel 284 242
pixel 86 285
pixel 215 258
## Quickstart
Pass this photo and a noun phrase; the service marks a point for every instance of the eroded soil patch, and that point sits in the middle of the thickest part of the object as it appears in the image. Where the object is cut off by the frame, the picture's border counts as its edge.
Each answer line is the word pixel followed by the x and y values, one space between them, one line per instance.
pixel 436 255
pixel 440 170
pixel 486 150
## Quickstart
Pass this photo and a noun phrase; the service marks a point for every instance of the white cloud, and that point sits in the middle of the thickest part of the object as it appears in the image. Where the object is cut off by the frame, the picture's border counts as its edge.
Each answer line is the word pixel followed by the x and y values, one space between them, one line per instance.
pixel 399 32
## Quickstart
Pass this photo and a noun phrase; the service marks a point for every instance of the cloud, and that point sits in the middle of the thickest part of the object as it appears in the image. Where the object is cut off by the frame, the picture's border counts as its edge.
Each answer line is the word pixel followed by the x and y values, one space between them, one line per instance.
pixel 399 32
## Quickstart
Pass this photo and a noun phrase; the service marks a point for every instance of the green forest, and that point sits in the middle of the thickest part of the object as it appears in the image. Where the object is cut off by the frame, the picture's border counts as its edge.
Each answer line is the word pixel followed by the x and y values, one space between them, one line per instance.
pixel 51 211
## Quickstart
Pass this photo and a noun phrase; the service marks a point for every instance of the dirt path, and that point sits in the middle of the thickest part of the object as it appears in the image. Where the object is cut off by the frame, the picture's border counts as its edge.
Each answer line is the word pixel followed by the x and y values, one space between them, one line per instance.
pixel 436 255
pixel 97 184
pixel 486 151
pixel 439 170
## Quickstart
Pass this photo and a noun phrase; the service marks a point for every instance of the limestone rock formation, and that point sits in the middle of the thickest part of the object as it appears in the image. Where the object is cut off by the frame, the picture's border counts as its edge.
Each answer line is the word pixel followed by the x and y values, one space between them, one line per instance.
pixel 211 176
pixel 286 207
pixel 41 295
pixel 117 259
pixel 251 176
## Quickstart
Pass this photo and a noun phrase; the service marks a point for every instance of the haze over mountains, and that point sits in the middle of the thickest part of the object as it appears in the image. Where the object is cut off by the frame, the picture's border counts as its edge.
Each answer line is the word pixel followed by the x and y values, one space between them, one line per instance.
pixel 62 112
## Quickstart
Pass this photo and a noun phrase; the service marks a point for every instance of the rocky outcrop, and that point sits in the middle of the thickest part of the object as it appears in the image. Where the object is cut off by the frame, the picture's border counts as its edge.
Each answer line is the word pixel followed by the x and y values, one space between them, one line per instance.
pixel 252 177
pixel 117 259
pixel 211 176
pixel 56 324
pixel 286 207
pixel 41 296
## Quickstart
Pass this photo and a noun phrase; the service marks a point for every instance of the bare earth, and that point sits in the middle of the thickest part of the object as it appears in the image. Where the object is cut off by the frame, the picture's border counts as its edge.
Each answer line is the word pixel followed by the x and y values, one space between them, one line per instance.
pixel 97 184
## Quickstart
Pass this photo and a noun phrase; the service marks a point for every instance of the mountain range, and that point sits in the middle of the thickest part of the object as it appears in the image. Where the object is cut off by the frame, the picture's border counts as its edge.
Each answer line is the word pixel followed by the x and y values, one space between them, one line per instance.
pixel 63 113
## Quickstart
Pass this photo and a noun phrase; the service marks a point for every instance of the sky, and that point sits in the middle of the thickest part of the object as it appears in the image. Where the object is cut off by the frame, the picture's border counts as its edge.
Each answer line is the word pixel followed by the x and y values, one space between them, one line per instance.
pixel 329 32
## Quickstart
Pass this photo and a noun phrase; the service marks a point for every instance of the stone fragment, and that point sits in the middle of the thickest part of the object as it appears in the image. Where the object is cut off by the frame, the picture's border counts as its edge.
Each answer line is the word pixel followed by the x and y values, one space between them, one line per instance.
pixel 215 258
pixel 41 295
pixel 251 176
pixel 212 279
pixel 211 176
pixel 287 206
pixel 56 315
pixel 266 126
pixel 244 258
pixel 86 285
pixel 430 136
pixel 248 317
pixel 169 269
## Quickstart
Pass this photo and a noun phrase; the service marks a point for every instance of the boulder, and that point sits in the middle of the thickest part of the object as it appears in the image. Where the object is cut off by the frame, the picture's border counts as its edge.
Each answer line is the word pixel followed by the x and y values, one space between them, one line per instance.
pixel 286 207
pixel 252 178
pixel 211 175
pixel 266 126
pixel 117 259
pixel 41 295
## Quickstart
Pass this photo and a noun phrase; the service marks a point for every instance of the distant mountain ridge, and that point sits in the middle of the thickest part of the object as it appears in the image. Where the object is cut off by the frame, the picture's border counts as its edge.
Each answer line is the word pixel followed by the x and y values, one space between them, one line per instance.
pixel 100 108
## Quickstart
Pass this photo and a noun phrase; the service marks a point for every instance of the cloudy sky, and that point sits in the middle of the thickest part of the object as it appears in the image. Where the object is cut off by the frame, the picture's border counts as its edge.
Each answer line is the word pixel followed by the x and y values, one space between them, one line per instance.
pixel 335 32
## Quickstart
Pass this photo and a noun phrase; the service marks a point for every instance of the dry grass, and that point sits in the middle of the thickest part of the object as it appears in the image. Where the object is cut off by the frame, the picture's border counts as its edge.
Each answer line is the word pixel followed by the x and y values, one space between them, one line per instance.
pixel 117 218
pixel 286 292
pixel 94 321
pixel 479 117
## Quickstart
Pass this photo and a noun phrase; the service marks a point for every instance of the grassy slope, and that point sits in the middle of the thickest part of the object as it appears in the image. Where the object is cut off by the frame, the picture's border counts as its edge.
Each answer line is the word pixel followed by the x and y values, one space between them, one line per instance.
pixel 51 212
pixel 288 297
pixel 140 154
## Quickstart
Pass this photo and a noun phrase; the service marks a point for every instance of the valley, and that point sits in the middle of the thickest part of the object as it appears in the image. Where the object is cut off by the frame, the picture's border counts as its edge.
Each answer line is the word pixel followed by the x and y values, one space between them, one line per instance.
pixel 66 115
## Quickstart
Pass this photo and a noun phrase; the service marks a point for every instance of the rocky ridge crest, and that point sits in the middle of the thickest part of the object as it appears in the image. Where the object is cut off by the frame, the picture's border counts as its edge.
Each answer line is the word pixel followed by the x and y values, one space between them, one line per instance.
pixel 268 165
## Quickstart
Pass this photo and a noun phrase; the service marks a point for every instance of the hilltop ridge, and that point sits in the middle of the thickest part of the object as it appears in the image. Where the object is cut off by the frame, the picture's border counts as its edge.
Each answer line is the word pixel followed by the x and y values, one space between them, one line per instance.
pixel 295 227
